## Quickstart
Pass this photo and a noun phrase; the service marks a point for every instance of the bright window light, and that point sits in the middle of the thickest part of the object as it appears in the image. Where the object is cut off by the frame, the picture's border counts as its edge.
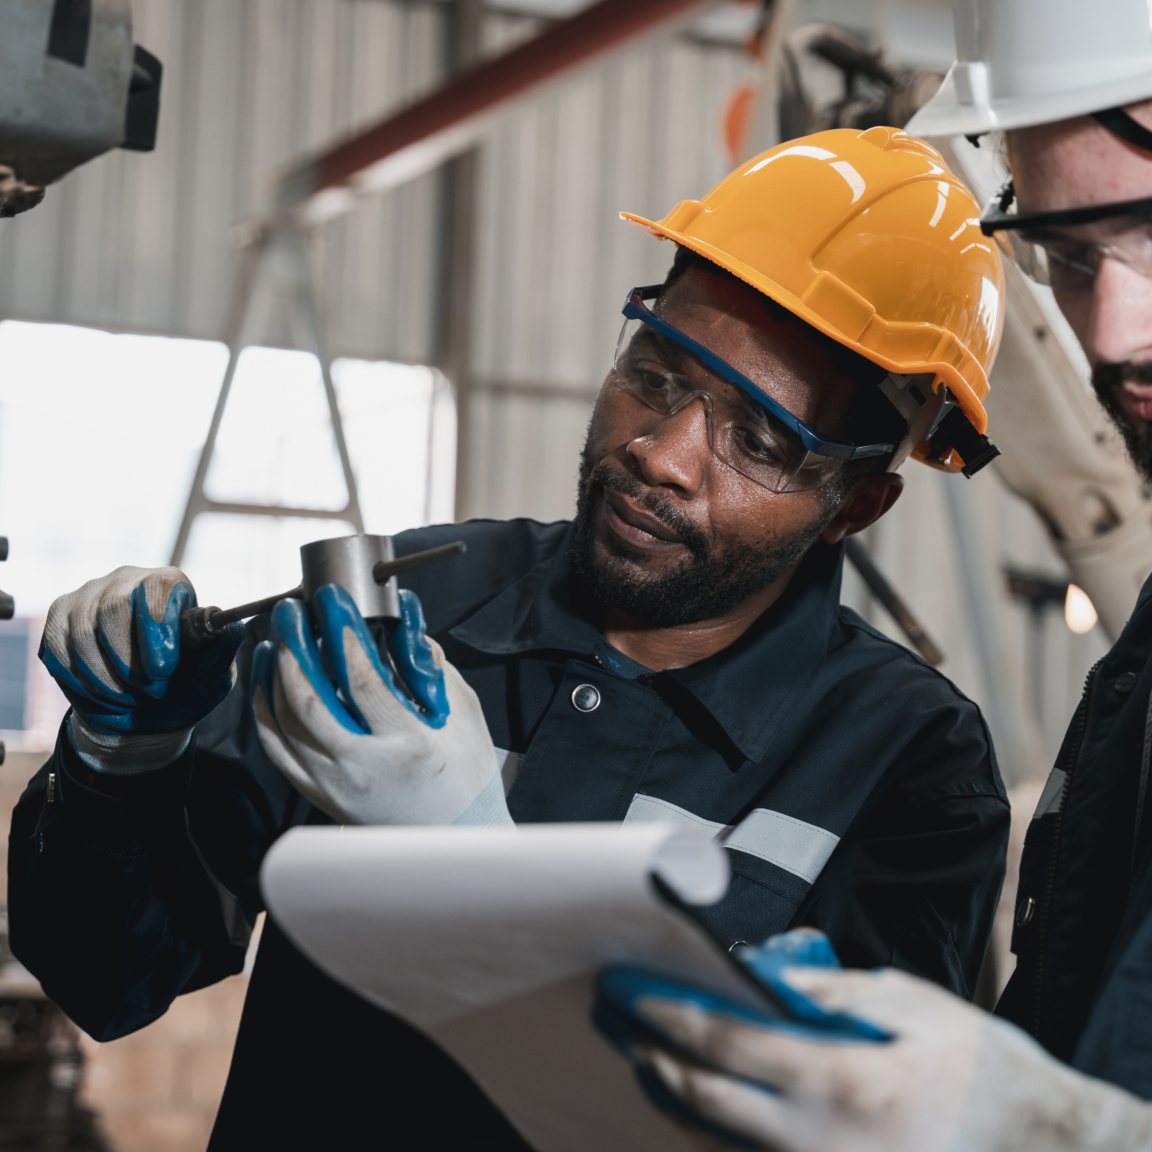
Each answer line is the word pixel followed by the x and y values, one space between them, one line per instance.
pixel 100 435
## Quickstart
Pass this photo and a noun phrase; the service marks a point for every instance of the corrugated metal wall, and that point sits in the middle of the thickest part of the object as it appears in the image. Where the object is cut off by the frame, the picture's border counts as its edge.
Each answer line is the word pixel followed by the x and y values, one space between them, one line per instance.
pixel 141 242
pixel 554 261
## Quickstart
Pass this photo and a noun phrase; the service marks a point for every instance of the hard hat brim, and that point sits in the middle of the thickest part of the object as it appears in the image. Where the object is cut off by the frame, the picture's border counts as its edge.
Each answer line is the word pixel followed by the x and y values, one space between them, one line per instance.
pixel 946 115
pixel 967 398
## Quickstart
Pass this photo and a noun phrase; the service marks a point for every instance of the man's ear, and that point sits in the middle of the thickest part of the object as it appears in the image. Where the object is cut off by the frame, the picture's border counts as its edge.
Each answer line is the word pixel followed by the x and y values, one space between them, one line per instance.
pixel 866 501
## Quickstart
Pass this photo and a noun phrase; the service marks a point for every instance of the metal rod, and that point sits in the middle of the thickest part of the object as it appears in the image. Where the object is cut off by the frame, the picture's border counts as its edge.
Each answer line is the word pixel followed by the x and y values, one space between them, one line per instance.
pixel 253 270
pixel 307 296
pixel 237 321
pixel 450 119
pixel 221 620
pixel 890 598
pixel 275 510
pixel 386 569
pixel 203 625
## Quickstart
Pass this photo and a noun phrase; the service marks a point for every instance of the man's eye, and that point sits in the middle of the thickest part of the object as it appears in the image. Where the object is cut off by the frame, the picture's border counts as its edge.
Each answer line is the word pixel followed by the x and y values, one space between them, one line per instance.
pixel 1079 257
pixel 654 377
pixel 657 381
pixel 758 442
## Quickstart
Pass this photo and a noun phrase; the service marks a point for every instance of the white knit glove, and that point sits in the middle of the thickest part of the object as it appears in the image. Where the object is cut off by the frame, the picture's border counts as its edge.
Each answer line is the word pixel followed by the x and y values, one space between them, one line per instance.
pixel 954 1079
pixel 113 646
pixel 373 754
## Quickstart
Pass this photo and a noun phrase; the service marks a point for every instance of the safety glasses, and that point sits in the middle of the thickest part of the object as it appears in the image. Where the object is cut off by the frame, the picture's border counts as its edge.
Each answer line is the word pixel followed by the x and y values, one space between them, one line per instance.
pixel 749 431
pixel 1065 249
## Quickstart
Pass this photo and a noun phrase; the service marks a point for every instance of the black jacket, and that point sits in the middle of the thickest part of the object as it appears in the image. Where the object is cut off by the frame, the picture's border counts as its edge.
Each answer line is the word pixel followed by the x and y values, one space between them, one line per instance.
pixel 861 786
pixel 1083 934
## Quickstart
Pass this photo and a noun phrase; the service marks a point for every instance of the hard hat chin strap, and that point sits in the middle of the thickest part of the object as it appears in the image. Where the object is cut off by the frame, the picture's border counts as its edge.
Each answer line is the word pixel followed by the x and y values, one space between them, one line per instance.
pixel 1119 123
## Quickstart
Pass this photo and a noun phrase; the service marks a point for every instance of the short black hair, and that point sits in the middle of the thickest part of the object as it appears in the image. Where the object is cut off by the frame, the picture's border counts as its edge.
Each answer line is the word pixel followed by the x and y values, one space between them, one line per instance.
pixel 872 418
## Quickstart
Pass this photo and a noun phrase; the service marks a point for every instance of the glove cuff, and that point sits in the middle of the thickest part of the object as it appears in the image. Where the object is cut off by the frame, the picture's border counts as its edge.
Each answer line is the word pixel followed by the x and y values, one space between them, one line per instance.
pixel 489 807
pixel 125 755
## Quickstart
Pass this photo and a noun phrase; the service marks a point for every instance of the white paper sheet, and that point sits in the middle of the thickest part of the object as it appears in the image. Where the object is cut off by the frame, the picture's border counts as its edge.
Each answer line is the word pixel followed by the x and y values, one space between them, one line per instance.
pixel 490 940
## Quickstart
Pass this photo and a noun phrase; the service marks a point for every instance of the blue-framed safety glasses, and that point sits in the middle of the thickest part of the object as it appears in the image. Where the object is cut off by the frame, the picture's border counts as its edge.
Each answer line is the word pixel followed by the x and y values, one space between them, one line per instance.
pixel 749 431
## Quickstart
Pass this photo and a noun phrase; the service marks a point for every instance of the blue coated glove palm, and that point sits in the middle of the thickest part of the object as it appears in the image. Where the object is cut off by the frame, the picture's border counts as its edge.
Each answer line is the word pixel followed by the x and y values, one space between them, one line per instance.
pixel 113 646
pixel 364 749
pixel 635 1004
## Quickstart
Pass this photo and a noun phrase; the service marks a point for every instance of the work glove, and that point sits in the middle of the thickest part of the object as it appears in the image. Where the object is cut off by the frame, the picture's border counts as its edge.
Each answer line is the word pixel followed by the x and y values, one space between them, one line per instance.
pixel 369 749
pixel 113 646
pixel 935 1075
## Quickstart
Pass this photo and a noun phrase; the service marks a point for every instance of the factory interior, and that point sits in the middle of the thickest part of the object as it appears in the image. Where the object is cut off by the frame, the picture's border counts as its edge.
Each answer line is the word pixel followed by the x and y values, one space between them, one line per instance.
pixel 369 280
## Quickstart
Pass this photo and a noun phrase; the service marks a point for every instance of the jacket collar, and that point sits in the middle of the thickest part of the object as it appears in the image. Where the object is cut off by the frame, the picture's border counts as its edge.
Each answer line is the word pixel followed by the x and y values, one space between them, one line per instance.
pixel 746 688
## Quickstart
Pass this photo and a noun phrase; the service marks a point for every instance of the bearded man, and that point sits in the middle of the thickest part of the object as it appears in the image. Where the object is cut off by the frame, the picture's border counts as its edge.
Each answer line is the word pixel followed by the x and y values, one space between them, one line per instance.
pixel 678 651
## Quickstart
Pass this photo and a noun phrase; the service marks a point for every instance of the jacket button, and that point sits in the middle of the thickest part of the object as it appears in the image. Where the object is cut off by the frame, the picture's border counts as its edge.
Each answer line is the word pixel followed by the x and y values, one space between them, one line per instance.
pixel 1125 683
pixel 1025 910
pixel 585 698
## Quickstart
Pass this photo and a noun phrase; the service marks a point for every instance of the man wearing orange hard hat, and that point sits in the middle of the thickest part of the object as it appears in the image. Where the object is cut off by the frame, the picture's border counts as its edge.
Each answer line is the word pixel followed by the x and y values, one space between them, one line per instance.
pixel 677 652
pixel 874 245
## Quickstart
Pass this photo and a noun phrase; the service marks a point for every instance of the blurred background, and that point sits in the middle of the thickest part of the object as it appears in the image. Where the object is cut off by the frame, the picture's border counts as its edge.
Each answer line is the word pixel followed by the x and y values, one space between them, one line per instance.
pixel 470 312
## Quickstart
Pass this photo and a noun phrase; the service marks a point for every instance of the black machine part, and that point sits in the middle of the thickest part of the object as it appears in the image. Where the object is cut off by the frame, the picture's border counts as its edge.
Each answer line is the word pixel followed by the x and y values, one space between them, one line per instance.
pixel 7 611
pixel 7 604
pixel 143 112
pixel 72 86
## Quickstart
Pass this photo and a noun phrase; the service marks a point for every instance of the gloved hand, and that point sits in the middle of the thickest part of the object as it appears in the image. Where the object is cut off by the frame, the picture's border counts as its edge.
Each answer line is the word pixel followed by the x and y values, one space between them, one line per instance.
pixel 371 754
pixel 950 1079
pixel 113 646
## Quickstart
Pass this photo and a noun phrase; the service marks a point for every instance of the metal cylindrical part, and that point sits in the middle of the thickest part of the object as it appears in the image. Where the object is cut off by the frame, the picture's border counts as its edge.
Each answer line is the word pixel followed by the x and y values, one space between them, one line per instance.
pixel 348 561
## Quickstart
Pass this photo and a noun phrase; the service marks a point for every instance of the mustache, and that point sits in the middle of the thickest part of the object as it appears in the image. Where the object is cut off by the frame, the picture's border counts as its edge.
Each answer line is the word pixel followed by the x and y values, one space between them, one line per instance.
pixel 1109 377
pixel 604 477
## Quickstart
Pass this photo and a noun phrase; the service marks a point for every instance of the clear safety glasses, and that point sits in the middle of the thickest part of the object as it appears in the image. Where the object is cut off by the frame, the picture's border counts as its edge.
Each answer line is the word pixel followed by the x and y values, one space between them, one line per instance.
pixel 1065 249
pixel 749 431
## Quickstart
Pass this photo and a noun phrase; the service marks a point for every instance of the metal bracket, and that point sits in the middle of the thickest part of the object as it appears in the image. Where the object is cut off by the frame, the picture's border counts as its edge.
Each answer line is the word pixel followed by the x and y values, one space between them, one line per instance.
pixel 292 244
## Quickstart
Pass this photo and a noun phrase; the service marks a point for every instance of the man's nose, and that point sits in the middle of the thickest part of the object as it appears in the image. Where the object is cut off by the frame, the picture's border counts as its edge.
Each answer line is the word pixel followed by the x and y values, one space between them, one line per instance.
pixel 1120 326
pixel 678 451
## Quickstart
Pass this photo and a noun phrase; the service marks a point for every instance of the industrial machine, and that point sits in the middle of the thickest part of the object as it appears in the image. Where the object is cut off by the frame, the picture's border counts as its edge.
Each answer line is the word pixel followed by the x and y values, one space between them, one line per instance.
pixel 72 86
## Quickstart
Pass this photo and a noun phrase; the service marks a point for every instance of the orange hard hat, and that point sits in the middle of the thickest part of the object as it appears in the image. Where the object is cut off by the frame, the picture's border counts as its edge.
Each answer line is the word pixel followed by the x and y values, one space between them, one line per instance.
pixel 869 237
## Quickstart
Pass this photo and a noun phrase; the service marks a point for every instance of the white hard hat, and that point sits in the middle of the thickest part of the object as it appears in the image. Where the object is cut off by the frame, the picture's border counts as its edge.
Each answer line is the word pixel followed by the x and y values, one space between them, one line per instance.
pixel 1022 62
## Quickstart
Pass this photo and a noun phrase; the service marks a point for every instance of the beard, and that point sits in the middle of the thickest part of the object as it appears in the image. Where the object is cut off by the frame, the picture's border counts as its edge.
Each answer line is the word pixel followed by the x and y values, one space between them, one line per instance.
pixel 1108 380
pixel 708 583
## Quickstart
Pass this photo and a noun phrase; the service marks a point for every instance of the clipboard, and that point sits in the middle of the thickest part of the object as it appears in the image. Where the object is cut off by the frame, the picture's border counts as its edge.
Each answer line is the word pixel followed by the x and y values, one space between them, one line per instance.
pixel 490 941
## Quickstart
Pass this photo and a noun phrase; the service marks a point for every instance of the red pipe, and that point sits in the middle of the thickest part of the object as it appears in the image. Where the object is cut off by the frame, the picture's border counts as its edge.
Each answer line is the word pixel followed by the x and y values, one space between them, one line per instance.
pixel 563 46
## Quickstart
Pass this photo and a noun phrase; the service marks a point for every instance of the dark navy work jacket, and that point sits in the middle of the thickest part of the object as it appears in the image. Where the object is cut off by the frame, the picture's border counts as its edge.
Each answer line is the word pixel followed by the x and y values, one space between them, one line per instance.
pixel 854 787
pixel 1083 933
